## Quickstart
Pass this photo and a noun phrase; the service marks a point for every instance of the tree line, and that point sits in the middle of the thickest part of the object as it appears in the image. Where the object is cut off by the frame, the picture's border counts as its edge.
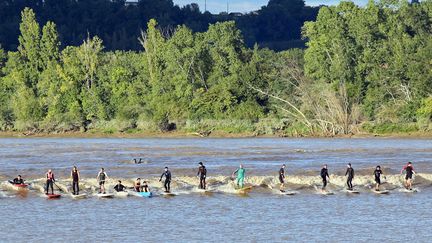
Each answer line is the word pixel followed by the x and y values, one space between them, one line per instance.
pixel 364 69
pixel 276 25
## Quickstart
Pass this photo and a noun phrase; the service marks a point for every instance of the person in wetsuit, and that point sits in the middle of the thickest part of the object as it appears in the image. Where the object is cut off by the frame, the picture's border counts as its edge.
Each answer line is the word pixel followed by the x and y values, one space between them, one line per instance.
pixel 75 180
pixel 324 176
pixel 350 173
pixel 202 173
pixel 137 185
pixel 50 181
pixel 409 174
pixel 282 178
pixel 17 181
pixel 167 182
pixel 101 178
pixel 377 173
pixel 119 187
pixel 240 176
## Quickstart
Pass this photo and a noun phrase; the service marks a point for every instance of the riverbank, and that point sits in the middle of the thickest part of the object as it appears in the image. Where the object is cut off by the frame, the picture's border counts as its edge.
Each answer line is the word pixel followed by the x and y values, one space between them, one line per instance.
pixel 182 134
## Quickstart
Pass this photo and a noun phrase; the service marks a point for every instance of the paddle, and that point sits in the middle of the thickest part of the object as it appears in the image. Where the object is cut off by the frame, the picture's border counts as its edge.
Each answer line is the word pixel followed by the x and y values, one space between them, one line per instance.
pixel 61 190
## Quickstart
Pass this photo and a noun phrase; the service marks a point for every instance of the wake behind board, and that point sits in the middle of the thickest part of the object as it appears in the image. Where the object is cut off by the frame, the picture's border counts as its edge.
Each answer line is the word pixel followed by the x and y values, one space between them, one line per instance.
pixel 381 192
pixel 80 196
pixel 289 193
pixel 53 196
pixel 105 195
pixel 327 193
pixel 245 189
pixel 168 194
pixel 410 191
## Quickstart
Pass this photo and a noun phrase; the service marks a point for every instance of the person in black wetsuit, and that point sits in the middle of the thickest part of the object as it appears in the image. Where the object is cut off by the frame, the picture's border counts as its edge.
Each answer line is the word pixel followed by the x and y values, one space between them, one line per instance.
pixel 282 178
pixel 167 182
pixel 119 187
pixel 202 174
pixel 409 175
pixel 324 176
pixel 18 180
pixel 377 173
pixel 350 173
pixel 75 180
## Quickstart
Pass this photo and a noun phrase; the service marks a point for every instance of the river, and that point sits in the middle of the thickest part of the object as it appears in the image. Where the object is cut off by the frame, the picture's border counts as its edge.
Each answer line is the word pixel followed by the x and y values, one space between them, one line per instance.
pixel 224 215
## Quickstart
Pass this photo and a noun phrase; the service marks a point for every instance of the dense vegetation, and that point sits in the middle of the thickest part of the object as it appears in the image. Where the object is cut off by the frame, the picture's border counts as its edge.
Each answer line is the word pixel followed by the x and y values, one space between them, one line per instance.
pixel 363 69
pixel 277 25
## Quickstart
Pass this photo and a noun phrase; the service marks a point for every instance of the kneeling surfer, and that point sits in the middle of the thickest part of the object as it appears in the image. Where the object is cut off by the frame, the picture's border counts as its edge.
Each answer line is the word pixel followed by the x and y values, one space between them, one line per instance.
pixel 137 185
pixel 17 181
pixel 145 187
pixel 119 187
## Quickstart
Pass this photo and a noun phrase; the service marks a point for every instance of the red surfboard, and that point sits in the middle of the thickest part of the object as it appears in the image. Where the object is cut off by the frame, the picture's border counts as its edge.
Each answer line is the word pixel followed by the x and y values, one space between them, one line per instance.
pixel 21 185
pixel 53 196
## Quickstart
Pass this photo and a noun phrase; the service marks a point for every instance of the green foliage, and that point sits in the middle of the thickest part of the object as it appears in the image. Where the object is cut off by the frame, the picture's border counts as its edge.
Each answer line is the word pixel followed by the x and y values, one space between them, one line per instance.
pixel 363 65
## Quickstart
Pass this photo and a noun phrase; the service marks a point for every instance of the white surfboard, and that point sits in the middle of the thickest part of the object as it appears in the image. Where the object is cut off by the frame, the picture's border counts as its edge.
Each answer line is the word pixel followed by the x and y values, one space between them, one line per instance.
pixel 289 193
pixel 327 193
pixel 381 191
pixel 105 195
pixel 353 191
pixel 168 194
pixel 121 194
pixel 80 196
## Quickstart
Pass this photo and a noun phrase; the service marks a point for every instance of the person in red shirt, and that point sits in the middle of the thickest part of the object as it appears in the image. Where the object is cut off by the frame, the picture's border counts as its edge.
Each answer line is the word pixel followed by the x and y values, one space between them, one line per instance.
pixel 409 174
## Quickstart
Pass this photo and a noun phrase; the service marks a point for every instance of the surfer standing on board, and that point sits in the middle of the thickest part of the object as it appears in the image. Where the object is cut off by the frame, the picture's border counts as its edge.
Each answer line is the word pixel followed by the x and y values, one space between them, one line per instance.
pixel 75 180
pixel 202 174
pixel 240 176
pixel 324 176
pixel 377 173
pixel 350 173
pixel 282 178
pixel 102 177
pixel 50 181
pixel 409 174
pixel 167 182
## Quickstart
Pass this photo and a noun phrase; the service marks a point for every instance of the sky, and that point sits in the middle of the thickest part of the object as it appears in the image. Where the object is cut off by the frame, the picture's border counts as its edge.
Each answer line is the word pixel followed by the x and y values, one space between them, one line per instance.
pixel 217 6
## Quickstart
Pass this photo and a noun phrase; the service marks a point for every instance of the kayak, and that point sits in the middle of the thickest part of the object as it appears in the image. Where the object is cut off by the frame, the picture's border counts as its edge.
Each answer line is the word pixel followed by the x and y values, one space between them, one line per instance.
pixel 53 196
pixel 145 194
